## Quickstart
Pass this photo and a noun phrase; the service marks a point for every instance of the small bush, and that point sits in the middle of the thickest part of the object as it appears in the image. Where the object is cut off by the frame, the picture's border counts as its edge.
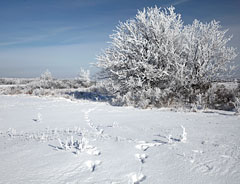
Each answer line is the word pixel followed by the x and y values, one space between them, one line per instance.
pixel 221 97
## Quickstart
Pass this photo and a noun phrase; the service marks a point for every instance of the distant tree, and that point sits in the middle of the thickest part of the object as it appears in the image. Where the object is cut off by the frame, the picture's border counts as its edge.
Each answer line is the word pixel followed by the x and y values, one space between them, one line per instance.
pixel 84 77
pixel 154 57
pixel 47 76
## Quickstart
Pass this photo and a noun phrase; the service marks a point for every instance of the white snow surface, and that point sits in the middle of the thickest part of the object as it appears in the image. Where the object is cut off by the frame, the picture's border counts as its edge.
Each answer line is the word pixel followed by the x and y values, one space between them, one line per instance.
pixel 53 140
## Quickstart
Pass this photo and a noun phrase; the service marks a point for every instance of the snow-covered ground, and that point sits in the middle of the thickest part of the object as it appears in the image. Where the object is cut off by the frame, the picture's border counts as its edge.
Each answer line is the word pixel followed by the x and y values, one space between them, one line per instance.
pixel 53 140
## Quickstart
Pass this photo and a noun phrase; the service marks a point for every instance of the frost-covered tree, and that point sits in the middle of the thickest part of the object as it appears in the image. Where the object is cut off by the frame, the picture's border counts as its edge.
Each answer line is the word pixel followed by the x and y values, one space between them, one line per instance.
pixel 205 57
pixel 84 77
pixel 154 57
pixel 46 76
pixel 143 53
pixel 206 52
pixel 46 80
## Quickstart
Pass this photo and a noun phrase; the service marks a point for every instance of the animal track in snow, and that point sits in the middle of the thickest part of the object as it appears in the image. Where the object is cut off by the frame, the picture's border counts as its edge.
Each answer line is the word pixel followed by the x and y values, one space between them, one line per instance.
pixel 39 118
pixel 91 165
pixel 93 151
pixel 90 124
pixel 222 160
pixel 136 178
pixel 144 145
pixel 197 151
pixel 204 167
pixel 141 157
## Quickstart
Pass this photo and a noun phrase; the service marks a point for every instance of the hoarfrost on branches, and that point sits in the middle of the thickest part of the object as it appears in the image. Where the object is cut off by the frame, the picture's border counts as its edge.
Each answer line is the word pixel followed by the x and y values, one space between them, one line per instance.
pixel 46 76
pixel 155 60
pixel 84 77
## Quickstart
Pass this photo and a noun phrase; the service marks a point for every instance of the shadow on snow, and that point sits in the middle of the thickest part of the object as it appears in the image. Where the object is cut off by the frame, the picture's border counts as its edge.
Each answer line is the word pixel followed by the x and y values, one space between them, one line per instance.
pixel 92 96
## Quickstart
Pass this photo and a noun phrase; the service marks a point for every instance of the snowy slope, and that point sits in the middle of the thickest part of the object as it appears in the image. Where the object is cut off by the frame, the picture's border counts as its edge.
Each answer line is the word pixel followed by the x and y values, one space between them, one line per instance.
pixel 50 140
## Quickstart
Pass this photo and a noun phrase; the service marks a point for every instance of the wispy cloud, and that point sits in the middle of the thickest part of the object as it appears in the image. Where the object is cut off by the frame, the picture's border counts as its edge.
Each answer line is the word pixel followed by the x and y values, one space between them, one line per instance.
pixel 37 37
pixel 23 40
pixel 175 3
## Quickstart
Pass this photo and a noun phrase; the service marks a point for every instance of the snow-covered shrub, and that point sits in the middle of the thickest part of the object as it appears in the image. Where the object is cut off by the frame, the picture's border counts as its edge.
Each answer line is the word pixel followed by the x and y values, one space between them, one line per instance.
pixel 43 86
pixel 46 76
pixel 236 104
pixel 84 78
pixel 199 103
pixel 220 97
pixel 14 81
pixel 46 80
pixel 156 51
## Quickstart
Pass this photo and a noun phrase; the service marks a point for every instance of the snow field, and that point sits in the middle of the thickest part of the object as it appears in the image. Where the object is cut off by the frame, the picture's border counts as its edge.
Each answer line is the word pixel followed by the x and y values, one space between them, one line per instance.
pixel 58 141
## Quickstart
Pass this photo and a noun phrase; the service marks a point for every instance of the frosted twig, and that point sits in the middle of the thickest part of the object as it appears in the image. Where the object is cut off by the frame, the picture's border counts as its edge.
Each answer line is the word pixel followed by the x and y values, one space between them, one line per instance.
pixel 184 135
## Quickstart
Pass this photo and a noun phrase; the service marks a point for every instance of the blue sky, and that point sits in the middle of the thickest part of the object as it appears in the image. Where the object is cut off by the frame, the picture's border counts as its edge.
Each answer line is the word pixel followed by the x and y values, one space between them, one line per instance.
pixel 65 35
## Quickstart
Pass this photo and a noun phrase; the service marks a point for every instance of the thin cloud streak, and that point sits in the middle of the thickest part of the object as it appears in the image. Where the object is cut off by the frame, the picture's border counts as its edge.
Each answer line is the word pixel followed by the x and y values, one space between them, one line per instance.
pixel 179 2
pixel 28 39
